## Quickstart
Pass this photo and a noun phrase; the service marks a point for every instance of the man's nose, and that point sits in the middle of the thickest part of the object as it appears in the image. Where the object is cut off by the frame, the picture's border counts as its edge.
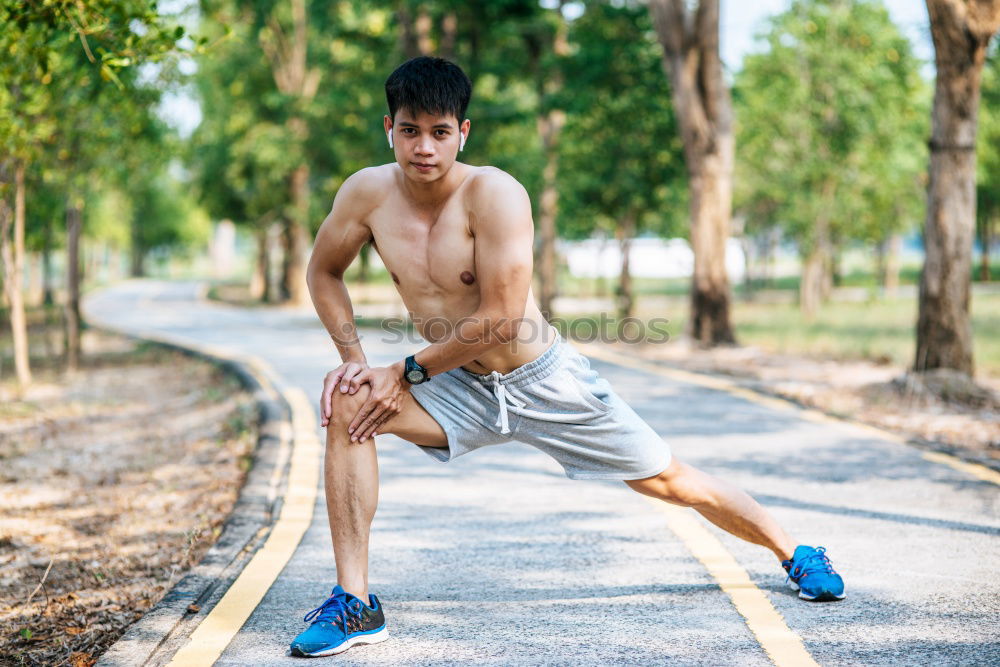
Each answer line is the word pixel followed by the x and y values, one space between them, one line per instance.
pixel 425 147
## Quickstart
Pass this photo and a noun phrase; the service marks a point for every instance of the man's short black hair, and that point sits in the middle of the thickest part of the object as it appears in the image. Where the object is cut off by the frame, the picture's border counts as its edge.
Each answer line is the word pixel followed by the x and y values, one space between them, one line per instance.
pixel 430 85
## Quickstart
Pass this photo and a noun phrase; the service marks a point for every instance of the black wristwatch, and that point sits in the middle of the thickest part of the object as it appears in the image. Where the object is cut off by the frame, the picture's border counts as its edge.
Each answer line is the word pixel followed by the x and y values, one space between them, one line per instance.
pixel 414 373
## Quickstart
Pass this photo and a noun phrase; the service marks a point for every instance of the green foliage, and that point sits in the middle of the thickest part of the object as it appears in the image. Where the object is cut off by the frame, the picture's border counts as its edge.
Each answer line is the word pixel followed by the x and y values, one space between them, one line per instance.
pixel 246 148
pixel 75 110
pixel 832 121
pixel 988 149
pixel 56 54
pixel 620 152
pixel 165 217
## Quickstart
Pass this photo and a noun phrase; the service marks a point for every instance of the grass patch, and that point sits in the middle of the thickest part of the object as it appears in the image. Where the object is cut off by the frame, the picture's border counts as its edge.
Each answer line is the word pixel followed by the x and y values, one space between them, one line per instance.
pixel 882 330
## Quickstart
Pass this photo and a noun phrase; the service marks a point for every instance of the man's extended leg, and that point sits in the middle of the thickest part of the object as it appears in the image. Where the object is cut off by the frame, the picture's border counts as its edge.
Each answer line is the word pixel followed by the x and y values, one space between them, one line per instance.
pixel 722 503
pixel 809 570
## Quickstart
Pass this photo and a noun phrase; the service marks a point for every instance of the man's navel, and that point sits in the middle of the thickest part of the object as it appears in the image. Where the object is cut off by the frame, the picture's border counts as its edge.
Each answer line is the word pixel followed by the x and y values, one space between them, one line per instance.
pixel 467 277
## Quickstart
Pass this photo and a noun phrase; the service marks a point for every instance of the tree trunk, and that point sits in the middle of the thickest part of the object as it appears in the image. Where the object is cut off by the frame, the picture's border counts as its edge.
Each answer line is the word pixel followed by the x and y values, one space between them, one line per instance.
pixel 137 258
pixel 890 277
pixel 48 298
pixel 261 279
pixel 810 284
pixel 704 112
pixel 74 222
pixel 449 29
pixel 625 295
pixel 293 275
pixel 549 123
pixel 13 259
pixel 549 127
pixel 423 29
pixel 961 32
pixel 288 56
pixel 711 199
pixel 834 275
pixel 414 35
pixel 986 241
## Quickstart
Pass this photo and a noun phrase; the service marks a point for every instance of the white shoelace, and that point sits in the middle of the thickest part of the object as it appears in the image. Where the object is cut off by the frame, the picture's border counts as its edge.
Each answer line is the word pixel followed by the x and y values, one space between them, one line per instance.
pixel 503 397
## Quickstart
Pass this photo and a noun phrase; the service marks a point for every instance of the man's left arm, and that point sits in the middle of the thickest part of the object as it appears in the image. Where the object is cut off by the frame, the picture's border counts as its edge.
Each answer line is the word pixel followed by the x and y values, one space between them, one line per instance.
pixel 504 233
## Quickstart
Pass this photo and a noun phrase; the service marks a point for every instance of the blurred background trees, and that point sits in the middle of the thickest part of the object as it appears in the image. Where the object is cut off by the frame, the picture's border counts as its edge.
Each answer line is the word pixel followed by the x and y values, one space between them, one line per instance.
pixel 841 158
pixel 71 105
pixel 609 113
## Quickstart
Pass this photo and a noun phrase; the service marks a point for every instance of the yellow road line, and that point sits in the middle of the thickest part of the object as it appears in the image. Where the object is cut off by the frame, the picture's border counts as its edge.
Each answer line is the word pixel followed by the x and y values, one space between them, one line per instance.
pixel 218 628
pixel 784 647
pixel 976 470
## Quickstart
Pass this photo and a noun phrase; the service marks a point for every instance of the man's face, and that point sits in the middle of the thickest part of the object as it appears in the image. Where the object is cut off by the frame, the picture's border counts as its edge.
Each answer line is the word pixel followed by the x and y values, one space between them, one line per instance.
pixel 425 145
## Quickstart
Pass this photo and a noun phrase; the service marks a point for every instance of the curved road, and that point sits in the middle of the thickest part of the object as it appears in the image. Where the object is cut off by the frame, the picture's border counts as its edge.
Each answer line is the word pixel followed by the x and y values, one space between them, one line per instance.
pixel 499 559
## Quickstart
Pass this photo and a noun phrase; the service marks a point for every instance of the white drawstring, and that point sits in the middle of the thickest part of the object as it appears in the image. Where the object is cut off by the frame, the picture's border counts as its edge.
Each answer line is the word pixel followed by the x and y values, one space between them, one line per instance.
pixel 503 397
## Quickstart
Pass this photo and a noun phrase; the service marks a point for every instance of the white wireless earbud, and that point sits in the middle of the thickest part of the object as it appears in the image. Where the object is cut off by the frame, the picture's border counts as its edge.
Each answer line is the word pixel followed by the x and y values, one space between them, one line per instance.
pixel 461 143
pixel 390 138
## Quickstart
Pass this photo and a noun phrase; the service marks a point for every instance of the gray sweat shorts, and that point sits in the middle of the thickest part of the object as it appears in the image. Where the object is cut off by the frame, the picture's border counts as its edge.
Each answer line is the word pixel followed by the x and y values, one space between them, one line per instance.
pixel 556 403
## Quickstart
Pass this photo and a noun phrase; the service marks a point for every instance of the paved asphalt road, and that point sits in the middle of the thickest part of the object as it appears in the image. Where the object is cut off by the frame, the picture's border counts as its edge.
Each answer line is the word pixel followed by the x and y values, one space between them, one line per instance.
pixel 499 559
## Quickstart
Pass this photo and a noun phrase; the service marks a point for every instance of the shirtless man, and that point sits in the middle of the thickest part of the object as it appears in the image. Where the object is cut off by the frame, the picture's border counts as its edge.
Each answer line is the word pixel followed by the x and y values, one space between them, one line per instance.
pixel 457 241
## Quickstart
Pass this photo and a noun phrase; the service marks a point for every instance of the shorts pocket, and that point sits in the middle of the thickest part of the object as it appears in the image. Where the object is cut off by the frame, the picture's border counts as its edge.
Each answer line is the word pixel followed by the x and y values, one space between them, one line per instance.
pixel 594 389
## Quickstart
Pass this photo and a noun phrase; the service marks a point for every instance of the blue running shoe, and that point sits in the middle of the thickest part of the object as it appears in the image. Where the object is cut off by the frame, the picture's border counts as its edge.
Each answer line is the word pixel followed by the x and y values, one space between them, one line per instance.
pixel 811 574
pixel 339 623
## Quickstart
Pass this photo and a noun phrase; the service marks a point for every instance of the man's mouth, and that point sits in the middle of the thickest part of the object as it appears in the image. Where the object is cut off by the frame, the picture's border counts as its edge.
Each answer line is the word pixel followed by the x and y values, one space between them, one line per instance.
pixel 420 165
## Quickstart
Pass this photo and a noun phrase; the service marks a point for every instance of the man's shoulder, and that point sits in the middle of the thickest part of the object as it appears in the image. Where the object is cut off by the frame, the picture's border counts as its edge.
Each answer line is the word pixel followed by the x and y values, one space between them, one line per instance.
pixel 369 181
pixel 492 184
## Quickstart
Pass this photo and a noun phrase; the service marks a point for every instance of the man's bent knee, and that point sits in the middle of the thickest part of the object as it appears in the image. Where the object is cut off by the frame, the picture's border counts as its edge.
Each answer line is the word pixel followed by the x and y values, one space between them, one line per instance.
pixel 344 408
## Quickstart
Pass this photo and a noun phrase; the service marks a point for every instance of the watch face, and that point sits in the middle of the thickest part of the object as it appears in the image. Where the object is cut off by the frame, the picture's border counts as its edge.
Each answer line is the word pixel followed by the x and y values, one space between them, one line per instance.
pixel 414 376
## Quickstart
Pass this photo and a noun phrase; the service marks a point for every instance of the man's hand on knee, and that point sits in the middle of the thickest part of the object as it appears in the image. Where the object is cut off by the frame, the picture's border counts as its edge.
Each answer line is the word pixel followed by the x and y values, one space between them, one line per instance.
pixel 383 401
pixel 343 379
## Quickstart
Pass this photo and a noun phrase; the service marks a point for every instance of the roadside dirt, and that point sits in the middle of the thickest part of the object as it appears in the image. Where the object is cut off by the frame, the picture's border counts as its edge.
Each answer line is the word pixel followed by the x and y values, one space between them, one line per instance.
pixel 942 411
pixel 113 482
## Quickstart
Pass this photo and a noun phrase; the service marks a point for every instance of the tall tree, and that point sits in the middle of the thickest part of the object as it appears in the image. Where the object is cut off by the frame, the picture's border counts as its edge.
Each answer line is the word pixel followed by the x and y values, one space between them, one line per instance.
pixel 842 159
pixel 621 160
pixel 12 254
pixel 546 44
pixel 59 56
pixel 690 41
pixel 961 31
pixel 285 41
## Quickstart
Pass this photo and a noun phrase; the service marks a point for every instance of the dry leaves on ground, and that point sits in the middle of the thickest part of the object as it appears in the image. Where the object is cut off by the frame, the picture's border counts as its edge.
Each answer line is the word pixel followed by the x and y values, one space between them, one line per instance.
pixel 114 482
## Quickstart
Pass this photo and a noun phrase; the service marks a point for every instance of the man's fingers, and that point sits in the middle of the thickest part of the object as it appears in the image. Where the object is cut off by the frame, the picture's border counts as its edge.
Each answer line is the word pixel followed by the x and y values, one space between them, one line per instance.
pixel 329 386
pixel 380 417
pixel 353 382
pixel 358 421
pixel 358 380
pixel 369 425
pixel 325 403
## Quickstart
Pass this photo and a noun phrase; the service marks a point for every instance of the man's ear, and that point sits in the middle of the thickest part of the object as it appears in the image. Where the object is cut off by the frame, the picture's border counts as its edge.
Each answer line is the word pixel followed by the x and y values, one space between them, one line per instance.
pixel 463 130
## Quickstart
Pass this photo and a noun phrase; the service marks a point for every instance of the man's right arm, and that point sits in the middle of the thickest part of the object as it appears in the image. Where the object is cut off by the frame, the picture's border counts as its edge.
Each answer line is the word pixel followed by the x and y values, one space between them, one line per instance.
pixel 338 242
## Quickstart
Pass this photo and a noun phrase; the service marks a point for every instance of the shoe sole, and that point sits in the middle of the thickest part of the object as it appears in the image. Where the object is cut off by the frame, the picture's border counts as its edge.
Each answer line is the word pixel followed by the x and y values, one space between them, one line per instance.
pixel 822 597
pixel 358 640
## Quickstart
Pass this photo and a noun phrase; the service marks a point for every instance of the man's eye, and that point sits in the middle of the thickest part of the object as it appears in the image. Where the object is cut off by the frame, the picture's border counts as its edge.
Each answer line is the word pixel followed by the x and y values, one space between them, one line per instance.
pixel 443 132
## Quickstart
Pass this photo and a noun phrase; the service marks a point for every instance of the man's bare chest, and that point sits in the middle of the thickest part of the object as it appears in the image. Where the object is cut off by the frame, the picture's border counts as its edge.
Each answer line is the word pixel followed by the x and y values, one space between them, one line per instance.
pixel 426 255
